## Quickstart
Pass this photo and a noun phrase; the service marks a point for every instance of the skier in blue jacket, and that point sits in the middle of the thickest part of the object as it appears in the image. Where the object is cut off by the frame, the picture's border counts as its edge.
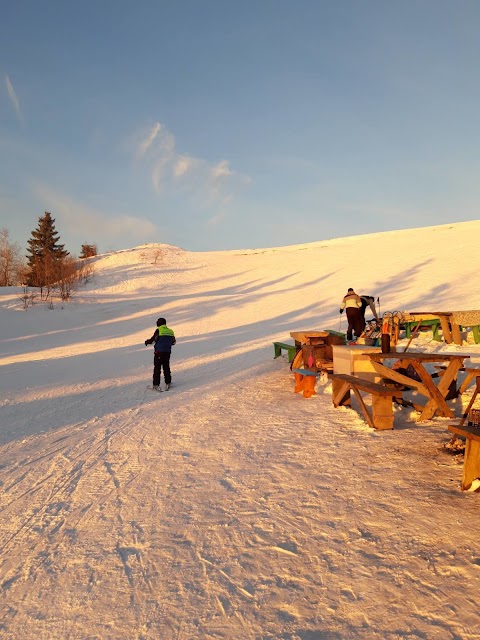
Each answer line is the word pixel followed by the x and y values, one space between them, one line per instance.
pixel 163 340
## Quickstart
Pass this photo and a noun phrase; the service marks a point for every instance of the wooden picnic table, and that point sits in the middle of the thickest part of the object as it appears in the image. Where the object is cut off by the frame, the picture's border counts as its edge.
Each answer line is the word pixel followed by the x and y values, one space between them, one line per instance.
pixel 450 321
pixel 318 345
pixel 426 386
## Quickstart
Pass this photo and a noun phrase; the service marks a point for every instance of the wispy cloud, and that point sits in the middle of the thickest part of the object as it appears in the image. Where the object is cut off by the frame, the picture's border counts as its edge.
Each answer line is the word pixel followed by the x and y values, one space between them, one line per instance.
pixel 210 184
pixel 14 99
pixel 80 220
pixel 147 142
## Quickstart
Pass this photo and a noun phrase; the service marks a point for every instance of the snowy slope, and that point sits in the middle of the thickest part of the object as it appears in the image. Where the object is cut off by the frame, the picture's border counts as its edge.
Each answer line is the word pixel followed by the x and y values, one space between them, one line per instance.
pixel 229 507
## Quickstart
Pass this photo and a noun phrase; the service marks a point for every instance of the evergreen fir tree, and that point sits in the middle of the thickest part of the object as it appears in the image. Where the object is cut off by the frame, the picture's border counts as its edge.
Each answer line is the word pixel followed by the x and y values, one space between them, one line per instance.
pixel 45 254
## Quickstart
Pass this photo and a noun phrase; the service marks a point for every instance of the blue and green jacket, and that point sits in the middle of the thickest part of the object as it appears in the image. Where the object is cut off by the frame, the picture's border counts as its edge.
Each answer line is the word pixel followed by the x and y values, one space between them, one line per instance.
pixel 163 338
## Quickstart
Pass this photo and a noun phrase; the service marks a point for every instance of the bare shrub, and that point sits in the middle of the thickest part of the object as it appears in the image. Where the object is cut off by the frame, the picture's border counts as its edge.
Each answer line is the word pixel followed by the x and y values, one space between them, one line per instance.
pixel 27 297
pixel 158 256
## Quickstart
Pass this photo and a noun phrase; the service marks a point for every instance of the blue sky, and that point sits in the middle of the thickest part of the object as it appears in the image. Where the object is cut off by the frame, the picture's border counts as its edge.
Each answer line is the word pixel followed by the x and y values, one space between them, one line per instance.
pixel 217 124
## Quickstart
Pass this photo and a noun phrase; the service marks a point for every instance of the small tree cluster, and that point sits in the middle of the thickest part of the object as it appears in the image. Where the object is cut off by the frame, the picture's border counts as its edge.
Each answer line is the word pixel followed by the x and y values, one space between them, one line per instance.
pixel 49 267
pixel 72 274
pixel 88 251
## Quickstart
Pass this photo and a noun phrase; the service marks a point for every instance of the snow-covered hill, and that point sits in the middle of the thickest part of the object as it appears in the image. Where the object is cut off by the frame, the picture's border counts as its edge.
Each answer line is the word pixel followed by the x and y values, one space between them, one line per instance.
pixel 229 507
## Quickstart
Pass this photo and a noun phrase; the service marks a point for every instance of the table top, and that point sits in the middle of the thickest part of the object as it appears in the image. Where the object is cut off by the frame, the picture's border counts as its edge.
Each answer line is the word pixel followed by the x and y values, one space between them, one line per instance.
pixel 465 317
pixel 300 336
pixel 431 313
pixel 419 357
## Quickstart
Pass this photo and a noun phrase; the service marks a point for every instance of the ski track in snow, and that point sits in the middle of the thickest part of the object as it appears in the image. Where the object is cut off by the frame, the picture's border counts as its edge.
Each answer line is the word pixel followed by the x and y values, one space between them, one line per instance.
pixel 228 507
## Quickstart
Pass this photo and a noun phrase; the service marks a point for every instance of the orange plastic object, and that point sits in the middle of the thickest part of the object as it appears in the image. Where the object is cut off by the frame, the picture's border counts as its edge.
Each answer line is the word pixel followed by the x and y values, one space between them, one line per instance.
pixel 299 382
pixel 309 386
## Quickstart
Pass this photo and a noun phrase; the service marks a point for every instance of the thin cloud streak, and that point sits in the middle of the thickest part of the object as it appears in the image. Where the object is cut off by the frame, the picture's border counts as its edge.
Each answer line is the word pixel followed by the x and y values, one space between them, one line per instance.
pixel 208 185
pixel 14 99
pixel 147 142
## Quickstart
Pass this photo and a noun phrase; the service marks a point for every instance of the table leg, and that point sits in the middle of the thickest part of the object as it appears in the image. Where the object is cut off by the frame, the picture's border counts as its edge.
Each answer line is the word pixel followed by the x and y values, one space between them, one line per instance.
pixel 456 334
pixel 299 382
pixel 437 401
pixel 447 336
pixel 468 378
pixel 341 393
pixel 471 464
pixel 382 409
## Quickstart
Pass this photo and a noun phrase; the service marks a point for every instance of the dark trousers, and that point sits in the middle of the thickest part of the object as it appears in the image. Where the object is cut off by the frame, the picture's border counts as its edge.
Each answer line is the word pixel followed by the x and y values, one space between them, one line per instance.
pixel 356 322
pixel 161 360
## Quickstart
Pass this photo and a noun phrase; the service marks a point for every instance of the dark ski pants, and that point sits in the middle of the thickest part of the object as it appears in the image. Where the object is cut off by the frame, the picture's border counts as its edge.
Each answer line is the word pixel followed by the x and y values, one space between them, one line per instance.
pixel 356 322
pixel 161 360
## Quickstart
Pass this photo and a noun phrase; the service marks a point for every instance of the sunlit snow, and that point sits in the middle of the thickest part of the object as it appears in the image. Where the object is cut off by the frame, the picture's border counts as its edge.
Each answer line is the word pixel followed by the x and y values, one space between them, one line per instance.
pixel 230 507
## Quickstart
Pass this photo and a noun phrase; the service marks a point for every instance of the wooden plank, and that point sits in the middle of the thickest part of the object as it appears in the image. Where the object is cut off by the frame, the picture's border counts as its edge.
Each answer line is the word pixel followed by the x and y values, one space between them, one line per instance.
pixel 471 374
pixel 419 355
pixel 456 333
pixel 447 336
pixel 466 431
pixel 340 393
pixel 470 404
pixel 471 463
pixel 391 374
pixel 364 385
pixel 414 316
pixel 412 336
pixel 408 403
pixel 382 410
pixel 363 407
pixel 305 336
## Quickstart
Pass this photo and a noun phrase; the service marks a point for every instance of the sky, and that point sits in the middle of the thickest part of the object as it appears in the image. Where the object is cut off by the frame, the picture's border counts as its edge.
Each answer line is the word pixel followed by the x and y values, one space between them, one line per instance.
pixel 231 507
pixel 218 125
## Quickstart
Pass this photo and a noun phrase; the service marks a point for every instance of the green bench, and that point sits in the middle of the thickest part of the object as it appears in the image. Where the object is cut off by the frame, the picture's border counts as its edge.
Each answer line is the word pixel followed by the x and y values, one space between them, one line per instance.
pixel 476 334
pixel 290 348
pixel 435 324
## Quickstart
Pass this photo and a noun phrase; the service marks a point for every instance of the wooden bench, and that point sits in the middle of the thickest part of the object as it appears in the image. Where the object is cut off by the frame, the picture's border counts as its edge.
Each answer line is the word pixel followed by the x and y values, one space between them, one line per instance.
pixel 471 457
pixel 290 348
pixel 305 382
pixel 381 416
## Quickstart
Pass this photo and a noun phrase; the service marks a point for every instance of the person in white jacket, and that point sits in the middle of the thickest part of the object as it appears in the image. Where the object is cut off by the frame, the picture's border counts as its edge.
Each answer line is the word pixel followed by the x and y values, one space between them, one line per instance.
pixel 356 319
